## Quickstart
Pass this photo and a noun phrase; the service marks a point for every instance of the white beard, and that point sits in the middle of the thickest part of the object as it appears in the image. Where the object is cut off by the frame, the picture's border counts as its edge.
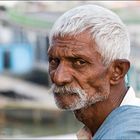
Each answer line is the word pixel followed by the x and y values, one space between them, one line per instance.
pixel 82 101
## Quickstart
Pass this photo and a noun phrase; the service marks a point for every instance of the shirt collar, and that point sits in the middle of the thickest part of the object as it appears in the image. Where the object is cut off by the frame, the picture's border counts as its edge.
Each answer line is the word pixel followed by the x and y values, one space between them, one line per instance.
pixel 130 98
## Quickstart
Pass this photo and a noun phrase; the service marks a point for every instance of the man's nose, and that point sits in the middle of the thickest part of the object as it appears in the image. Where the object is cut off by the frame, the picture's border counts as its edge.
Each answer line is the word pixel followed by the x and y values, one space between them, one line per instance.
pixel 62 75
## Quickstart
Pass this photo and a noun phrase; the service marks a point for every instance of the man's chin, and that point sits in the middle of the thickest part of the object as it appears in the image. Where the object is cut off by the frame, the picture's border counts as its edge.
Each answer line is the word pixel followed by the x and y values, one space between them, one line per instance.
pixel 74 105
pixel 63 105
pixel 66 102
pixel 77 105
pixel 73 102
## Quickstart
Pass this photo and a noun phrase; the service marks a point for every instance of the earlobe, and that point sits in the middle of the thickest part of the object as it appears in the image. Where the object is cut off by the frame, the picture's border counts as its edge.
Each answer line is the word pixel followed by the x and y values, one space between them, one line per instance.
pixel 118 70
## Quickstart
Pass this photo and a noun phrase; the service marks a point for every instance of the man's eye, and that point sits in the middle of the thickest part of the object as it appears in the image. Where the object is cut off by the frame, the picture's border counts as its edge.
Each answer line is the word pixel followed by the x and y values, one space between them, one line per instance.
pixel 79 63
pixel 54 62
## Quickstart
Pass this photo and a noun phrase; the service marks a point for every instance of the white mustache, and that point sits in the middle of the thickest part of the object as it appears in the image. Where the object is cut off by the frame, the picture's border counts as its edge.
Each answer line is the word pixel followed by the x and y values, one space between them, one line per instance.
pixel 63 90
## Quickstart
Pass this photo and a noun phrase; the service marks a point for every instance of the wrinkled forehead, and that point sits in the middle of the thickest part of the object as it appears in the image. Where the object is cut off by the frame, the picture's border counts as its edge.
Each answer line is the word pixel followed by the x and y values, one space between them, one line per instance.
pixel 68 45
pixel 79 41
pixel 78 46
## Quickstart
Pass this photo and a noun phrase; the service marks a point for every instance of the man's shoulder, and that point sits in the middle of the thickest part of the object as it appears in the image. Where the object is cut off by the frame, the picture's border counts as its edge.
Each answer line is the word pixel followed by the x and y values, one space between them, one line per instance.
pixel 122 123
pixel 123 114
pixel 126 124
pixel 126 109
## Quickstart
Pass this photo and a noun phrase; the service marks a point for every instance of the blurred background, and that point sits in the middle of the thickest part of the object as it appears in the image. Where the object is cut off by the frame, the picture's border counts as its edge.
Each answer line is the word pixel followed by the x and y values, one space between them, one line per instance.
pixel 26 107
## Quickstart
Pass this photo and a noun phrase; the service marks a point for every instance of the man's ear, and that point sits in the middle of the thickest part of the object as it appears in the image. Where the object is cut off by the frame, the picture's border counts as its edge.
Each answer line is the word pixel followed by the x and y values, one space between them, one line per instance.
pixel 118 70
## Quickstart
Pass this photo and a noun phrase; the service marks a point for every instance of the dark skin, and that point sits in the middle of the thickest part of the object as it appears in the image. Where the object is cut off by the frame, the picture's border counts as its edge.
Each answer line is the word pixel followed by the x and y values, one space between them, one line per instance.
pixel 99 110
pixel 102 109
pixel 75 61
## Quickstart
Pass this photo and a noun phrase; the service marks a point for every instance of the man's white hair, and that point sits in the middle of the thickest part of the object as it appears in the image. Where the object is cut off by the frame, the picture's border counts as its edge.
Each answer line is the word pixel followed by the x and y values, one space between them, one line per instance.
pixel 106 29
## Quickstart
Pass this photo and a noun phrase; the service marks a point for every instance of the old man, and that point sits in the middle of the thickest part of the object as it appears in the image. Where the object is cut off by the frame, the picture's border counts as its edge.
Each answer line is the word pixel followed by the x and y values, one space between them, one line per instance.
pixel 88 61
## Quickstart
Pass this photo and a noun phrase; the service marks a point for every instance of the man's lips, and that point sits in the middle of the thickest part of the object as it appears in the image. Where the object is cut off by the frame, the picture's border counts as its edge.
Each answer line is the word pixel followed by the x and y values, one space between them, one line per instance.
pixel 64 93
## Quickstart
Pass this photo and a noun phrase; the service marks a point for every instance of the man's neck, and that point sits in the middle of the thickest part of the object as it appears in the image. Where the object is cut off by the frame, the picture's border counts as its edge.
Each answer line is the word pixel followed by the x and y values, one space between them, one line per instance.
pixel 94 115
